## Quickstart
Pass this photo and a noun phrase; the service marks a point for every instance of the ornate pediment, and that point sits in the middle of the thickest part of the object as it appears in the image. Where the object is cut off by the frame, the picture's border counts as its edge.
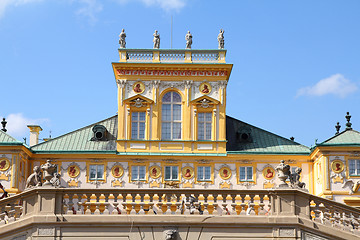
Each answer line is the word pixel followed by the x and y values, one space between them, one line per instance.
pixel 138 101
pixel 205 102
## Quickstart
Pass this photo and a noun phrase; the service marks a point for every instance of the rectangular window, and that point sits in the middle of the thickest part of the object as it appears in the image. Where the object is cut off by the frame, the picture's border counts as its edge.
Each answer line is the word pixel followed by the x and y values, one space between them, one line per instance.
pixel 246 173
pixel 138 125
pixel 204 173
pixel 138 173
pixel 96 172
pixel 204 126
pixel 354 167
pixel 171 173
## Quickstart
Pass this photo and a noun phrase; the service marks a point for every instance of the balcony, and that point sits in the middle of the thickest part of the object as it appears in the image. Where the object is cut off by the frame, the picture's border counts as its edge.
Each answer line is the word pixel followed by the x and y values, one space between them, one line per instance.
pixel 264 213
pixel 172 56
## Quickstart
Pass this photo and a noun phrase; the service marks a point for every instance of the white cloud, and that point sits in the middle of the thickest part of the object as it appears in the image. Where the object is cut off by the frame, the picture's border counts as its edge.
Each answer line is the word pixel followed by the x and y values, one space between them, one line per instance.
pixel 166 5
pixel 336 84
pixel 4 4
pixel 90 9
pixel 17 124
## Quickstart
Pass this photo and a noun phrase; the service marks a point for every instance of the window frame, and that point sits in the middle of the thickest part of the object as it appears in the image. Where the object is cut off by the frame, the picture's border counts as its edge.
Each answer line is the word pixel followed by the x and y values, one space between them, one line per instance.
pixel 254 177
pixel 131 173
pixel 171 121
pixel 88 164
pixel 211 166
pixel 205 123
pixel 163 167
pixel 138 121
pixel 357 164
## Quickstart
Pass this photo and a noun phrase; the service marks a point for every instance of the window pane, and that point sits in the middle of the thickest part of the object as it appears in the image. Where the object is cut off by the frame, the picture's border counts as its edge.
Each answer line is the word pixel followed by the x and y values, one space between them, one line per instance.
pixel 142 130
pixel 176 112
pixel 242 173
pixel 177 131
pixel 166 131
pixel 357 163
pixel 167 97
pixel 200 173
pixel 142 116
pixel 167 173
pixel 100 171
pixel 176 97
pixel 201 117
pixel 352 167
pixel 208 117
pixel 207 173
pixel 142 172
pixel 134 116
pixel 134 172
pixel 134 130
pixel 201 131
pixel 92 171
pixel 249 173
pixel 166 112
pixel 174 173
pixel 208 131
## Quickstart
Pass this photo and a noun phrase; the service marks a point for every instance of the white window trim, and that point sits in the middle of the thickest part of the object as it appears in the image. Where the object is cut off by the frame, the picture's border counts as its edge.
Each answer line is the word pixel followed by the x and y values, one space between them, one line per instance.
pixel 172 121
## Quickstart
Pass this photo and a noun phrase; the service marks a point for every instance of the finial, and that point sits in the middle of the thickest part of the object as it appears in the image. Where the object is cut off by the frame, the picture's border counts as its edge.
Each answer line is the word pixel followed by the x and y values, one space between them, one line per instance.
pixel 3 123
pixel 292 138
pixel 337 128
pixel 348 124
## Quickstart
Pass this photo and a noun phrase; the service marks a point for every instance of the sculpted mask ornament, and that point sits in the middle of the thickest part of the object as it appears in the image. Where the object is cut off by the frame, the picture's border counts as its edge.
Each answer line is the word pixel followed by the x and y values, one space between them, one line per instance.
pixel 187 173
pixel 73 171
pixel 138 87
pixel 225 173
pixel 4 164
pixel 117 171
pixel 337 166
pixel 155 172
pixel 205 88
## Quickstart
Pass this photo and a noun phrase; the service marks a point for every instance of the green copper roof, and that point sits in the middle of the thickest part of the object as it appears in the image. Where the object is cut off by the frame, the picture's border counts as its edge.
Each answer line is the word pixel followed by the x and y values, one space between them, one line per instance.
pixel 259 141
pixel 346 138
pixel 80 140
pixel 6 139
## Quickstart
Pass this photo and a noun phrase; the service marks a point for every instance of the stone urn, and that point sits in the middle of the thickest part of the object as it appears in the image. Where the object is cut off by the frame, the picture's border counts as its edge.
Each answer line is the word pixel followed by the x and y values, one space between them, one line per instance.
pixel 283 171
pixel 48 170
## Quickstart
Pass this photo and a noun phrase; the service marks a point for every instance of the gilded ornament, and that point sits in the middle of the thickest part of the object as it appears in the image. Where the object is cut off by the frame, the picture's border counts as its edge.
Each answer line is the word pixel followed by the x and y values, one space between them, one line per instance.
pixel 4 164
pixel 73 171
pixel 187 172
pixel 155 172
pixel 337 166
pixel 138 87
pixel 205 88
pixel 117 171
pixel 225 173
pixel 268 173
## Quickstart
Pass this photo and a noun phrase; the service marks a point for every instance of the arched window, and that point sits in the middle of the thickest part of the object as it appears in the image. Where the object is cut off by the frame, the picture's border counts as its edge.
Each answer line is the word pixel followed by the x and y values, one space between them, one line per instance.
pixel 171 116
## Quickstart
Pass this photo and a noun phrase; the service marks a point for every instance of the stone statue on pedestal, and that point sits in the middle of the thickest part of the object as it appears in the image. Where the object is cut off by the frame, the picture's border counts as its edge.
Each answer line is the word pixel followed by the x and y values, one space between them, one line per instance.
pixel 156 40
pixel 283 173
pixel 48 170
pixel 188 38
pixel 295 179
pixel 220 39
pixel 122 37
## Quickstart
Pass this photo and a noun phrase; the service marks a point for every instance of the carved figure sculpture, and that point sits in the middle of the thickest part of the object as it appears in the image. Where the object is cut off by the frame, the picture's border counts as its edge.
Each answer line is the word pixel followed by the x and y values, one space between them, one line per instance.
pixel 171 234
pixel 137 88
pixel 295 179
pixel 34 180
pixel 220 39
pixel 156 40
pixel 206 89
pixel 122 37
pixel 188 38
pixel 283 173
pixel 55 181
pixel 48 170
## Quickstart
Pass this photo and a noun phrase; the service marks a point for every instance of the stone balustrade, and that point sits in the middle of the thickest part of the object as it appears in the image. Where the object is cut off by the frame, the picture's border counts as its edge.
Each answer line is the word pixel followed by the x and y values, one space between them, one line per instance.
pixel 67 202
pixel 172 55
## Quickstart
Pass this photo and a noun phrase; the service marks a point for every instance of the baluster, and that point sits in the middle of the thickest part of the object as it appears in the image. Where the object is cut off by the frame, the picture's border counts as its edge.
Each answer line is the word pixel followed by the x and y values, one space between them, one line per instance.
pixel 9 213
pixel 251 204
pixel 70 204
pixel 106 203
pixel 141 211
pixel 242 205
pixel 87 203
pixel 261 210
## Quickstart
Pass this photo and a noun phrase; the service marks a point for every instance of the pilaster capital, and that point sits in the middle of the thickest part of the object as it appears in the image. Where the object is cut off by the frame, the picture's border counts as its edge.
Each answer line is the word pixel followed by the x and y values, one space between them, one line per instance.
pixel 121 83
pixel 188 83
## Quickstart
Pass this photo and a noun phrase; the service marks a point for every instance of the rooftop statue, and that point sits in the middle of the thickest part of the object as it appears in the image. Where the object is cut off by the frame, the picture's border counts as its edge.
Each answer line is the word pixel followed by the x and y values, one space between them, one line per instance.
pixel 188 38
pixel 220 39
pixel 122 37
pixel 156 39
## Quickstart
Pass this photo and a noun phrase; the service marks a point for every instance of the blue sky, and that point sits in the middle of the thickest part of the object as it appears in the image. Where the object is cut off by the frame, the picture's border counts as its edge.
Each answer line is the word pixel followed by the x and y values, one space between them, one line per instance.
pixel 296 63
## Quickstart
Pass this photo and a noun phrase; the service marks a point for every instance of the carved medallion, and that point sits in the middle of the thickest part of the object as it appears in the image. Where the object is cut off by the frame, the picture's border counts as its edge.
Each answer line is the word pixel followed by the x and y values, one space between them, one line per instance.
pixel 205 88
pixel 187 172
pixel 268 173
pixel 337 166
pixel 225 173
pixel 155 172
pixel 4 164
pixel 117 171
pixel 73 171
pixel 138 87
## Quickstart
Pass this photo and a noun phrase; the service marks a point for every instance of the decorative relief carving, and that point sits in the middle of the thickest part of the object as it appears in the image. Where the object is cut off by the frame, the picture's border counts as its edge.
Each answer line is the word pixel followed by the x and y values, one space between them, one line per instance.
pixel 121 83
pixel 188 83
pixel 225 184
pixel 4 164
pixel 123 72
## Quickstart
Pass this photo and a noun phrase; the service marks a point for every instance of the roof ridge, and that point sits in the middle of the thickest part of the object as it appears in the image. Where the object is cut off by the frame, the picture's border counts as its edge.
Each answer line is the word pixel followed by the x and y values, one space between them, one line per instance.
pixel 288 140
pixel 66 134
